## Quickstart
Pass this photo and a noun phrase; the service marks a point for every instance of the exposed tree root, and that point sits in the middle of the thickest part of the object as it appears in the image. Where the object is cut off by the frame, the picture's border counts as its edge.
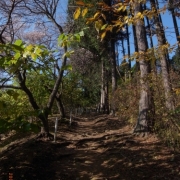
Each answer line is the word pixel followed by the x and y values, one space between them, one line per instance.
pixel 45 136
pixel 141 134
pixel 141 131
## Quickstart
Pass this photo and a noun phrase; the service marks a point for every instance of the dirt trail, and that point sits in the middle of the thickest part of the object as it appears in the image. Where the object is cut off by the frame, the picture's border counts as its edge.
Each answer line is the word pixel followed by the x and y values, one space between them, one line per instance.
pixel 95 148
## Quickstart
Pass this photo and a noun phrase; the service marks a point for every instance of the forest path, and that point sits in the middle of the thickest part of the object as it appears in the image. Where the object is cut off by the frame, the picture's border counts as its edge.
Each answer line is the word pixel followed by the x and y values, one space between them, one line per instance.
pixel 98 147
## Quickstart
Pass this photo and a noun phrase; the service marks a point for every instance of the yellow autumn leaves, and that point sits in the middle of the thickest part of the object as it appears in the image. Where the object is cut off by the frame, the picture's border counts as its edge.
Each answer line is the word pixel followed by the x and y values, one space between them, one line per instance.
pixel 99 25
pixel 78 12
pixel 99 18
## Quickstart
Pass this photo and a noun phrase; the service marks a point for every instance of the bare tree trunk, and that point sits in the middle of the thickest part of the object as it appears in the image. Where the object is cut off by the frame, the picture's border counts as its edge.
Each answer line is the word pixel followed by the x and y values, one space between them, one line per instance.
pixel 163 34
pixel 164 65
pixel 149 29
pixel 128 47
pixel 113 66
pixel 171 8
pixel 144 103
pixel 43 115
pixel 152 61
pixel 113 75
pixel 45 128
pixel 106 92
pixel 102 104
pixel 123 49
pixel 175 24
pixel 135 46
pixel 60 105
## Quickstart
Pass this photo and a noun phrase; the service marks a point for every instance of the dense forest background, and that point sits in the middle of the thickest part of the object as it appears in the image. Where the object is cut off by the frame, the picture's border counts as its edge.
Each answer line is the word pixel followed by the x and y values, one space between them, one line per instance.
pixel 86 62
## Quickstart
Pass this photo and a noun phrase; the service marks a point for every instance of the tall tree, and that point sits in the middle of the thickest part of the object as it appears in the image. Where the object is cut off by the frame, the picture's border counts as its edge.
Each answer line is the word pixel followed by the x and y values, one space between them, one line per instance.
pixel 171 9
pixel 143 121
pixel 91 44
pixel 164 65
pixel 128 47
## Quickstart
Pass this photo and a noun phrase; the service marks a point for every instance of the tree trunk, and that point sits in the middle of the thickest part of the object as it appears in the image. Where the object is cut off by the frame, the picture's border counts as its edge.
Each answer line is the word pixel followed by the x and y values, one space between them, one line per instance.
pixel 152 61
pixel 123 49
pixel 104 88
pixel 60 106
pixel 163 34
pixel 128 47
pixel 45 128
pixel 149 29
pixel 135 46
pixel 164 66
pixel 113 66
pixel 43 116
pixel 175 24
pixel 113 75
pixel 171 8
pixel 144 103
pixel 106 93
pixel 102 104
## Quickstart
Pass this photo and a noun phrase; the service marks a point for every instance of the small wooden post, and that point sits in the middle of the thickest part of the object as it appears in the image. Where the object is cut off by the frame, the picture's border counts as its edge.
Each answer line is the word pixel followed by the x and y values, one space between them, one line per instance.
pixel 55 131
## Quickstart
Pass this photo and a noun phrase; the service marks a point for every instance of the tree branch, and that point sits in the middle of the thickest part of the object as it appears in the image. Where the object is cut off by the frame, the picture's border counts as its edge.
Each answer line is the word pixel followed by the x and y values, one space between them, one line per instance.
pixel 10 87
pixel 27 91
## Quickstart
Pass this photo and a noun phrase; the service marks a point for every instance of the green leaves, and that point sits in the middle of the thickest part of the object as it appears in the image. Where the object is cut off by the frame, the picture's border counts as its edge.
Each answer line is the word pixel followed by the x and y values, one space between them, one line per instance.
pixel 67 67
pixel 18 50
pixel 65 40
pixel 14 54
pixel 18 54
pixel 68 39
pixel 104 26
pixel 18 124
pixel 18 42
pixel 67 54
pixel 12 93
pixel 81 33
pixel 2 104
pixel 62 40
pixel 98 25
pixel 34 51
pixel 4 125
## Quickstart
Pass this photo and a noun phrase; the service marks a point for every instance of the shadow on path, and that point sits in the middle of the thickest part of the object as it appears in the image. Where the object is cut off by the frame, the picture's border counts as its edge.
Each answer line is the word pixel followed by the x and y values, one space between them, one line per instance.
pixel 97 148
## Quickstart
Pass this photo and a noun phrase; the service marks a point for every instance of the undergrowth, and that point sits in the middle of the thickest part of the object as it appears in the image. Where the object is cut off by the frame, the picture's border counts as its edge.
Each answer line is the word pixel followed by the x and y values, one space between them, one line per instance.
pixel 167 123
